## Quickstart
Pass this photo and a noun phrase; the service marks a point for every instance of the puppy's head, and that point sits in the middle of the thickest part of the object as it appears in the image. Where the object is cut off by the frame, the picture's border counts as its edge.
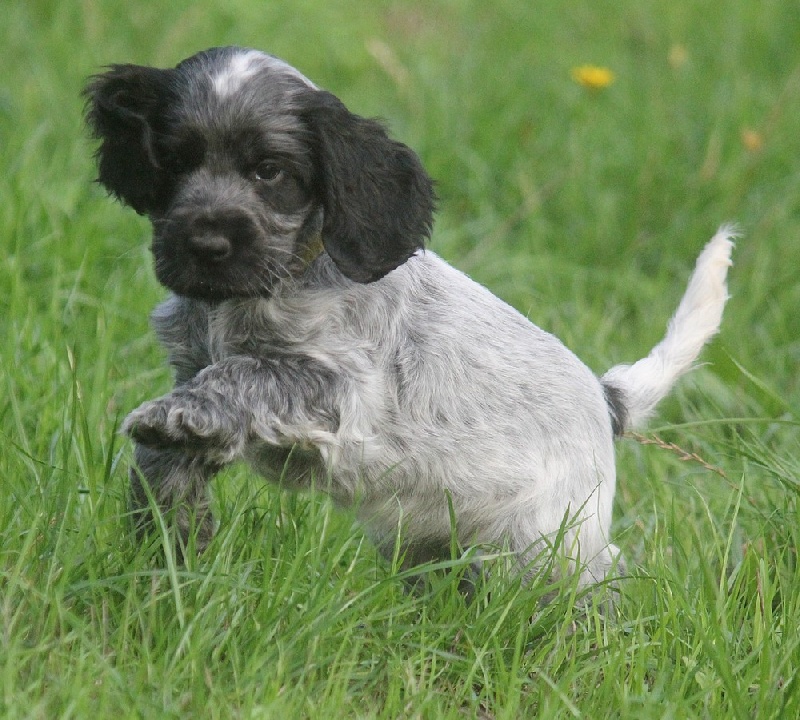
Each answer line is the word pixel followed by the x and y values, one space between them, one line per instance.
pixel 243 165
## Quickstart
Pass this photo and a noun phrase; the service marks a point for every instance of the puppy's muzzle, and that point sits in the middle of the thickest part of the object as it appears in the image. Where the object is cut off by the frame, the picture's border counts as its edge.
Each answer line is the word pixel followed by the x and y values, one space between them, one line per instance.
pixel 210 253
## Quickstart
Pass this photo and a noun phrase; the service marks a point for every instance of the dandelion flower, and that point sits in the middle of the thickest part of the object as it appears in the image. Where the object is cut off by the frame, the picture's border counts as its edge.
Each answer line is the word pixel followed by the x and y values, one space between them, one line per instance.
pixel 752 140
pixel 592 76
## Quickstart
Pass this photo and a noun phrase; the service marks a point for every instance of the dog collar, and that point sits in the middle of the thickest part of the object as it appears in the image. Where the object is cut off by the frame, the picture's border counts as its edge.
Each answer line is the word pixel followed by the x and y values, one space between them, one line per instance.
pixel 313 251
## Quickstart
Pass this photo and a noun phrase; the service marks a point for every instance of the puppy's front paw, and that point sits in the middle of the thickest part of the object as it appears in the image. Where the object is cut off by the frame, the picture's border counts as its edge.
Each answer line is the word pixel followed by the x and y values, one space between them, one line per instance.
pixel 193 424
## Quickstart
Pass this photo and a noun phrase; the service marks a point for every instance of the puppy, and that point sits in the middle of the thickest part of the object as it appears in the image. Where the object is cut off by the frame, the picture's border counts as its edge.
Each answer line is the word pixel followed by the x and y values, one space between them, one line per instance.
pixel 312 335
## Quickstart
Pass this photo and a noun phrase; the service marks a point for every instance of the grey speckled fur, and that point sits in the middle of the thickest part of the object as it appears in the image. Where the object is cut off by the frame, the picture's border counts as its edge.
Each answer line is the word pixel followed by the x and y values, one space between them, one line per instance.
pixel 374 370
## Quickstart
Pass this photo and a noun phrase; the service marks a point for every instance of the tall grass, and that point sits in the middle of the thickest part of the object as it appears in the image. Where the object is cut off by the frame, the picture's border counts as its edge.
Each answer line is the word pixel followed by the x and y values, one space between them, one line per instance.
pixel 585 209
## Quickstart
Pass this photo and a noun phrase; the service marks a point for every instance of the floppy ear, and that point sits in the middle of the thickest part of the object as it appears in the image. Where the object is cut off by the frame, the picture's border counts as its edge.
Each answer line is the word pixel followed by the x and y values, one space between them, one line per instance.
pixel 124 109
pixel 378 199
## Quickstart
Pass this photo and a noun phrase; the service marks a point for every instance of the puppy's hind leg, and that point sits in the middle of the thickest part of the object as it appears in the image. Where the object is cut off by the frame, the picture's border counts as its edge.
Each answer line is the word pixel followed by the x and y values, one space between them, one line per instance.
pixel 178 485
pixel 577 546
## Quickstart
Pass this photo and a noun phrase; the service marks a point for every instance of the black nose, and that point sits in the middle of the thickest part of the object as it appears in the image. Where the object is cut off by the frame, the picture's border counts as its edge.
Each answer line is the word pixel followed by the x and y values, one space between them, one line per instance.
pixel 211 247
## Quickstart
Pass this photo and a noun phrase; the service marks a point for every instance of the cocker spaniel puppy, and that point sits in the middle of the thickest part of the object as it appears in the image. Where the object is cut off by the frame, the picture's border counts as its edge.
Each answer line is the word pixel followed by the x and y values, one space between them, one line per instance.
pixel 313 336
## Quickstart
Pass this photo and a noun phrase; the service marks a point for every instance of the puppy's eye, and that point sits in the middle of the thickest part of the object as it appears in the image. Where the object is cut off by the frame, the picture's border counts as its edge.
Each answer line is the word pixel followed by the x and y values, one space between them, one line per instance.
pixel 268 172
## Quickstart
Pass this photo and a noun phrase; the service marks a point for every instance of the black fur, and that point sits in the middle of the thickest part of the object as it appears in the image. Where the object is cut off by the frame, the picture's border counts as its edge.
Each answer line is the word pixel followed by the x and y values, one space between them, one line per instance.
pixel 378 199
pixel 616 408
pixel 127 111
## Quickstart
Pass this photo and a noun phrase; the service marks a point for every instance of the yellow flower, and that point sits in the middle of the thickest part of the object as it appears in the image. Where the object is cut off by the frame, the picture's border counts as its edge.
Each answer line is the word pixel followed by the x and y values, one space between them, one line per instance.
pixel 752 140
pixel 592 77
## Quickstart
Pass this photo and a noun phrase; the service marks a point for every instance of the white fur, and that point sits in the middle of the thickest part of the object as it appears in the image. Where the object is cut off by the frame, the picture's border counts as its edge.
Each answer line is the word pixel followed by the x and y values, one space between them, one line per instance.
pixel 243 66
pixel 695 322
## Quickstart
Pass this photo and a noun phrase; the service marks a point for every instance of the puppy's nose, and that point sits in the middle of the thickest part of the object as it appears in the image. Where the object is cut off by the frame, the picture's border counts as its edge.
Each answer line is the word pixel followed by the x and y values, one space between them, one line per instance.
pixel 211 247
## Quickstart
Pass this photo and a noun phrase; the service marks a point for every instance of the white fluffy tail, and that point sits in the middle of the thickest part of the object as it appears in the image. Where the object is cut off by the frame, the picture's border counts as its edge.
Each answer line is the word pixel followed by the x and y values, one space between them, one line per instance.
pixel 633 391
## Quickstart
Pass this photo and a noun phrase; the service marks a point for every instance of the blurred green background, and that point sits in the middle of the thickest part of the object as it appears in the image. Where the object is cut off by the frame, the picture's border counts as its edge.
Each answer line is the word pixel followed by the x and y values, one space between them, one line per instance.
pixel 583 207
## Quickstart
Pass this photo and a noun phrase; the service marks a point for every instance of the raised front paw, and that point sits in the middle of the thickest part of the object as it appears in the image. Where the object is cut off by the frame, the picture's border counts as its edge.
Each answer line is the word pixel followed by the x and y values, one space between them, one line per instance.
pixel 190 422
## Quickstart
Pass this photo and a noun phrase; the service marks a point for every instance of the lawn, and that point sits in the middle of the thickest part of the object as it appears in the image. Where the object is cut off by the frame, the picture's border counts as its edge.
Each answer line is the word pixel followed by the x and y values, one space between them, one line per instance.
pixel 584 208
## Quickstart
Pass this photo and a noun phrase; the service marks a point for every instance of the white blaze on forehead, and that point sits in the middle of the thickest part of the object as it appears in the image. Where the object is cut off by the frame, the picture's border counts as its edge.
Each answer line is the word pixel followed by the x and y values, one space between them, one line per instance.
pixel 240 68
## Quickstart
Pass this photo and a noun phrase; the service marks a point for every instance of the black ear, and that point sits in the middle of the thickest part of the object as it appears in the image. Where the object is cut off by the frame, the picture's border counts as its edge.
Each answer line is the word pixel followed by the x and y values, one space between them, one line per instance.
pixel 125 111
pixel 378 199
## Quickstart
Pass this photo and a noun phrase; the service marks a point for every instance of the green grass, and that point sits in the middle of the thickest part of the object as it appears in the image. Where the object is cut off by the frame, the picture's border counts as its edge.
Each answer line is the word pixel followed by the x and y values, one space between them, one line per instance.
pixel 583 209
